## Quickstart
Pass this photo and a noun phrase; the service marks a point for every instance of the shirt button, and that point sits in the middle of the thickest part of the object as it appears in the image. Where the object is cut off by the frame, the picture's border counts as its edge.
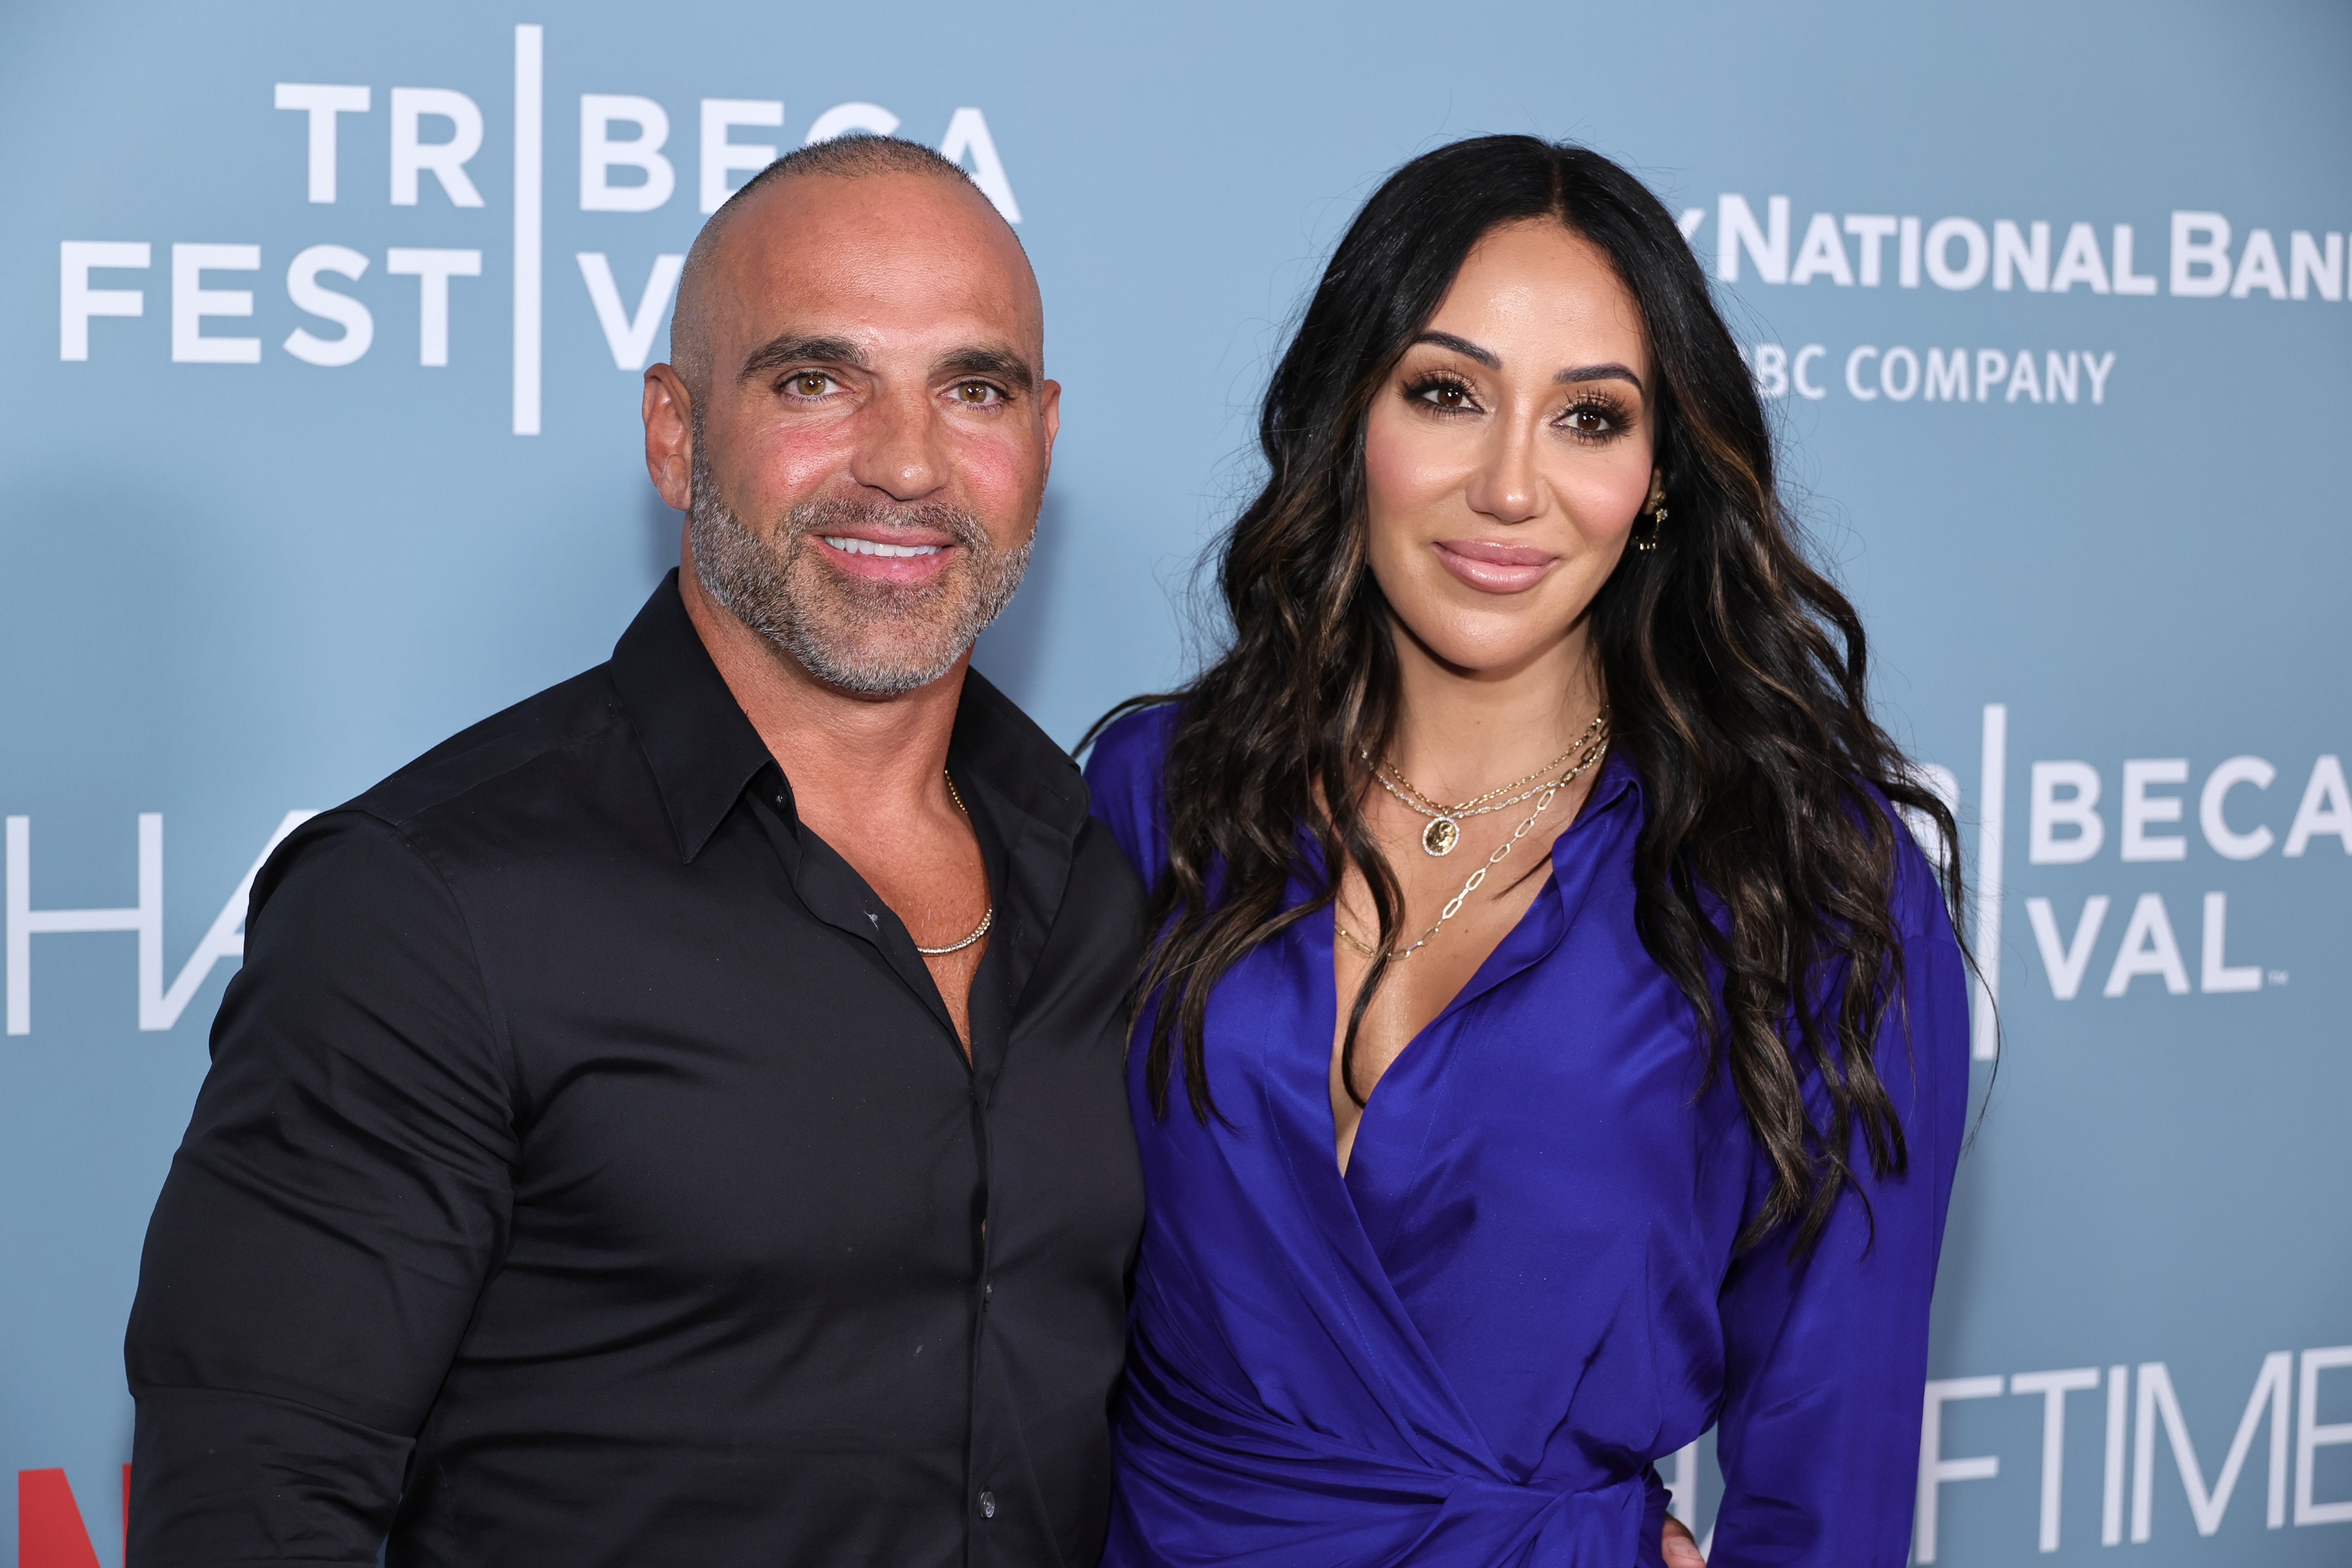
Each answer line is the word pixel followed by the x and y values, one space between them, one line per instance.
pixel 988 1505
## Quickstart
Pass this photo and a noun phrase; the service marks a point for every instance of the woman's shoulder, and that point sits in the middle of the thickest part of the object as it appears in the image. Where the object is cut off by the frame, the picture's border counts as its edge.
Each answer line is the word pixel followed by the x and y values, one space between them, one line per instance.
pixel 1135 744
pixel 1126 774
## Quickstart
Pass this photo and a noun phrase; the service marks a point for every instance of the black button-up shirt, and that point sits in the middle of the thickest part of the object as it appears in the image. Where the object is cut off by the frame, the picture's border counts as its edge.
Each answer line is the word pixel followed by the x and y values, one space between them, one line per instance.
pixel 589 1172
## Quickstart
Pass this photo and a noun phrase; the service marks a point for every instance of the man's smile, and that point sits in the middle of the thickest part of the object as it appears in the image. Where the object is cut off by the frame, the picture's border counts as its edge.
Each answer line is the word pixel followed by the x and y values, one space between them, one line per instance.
pixel 876 547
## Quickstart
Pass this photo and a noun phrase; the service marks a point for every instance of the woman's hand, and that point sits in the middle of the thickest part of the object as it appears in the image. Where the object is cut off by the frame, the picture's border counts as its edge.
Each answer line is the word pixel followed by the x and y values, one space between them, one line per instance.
pixel 1681 1551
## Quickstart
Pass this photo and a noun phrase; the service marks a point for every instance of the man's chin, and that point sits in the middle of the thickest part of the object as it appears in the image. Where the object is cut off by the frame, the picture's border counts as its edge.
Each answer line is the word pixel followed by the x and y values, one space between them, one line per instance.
pixel 843 584
pixel 876 668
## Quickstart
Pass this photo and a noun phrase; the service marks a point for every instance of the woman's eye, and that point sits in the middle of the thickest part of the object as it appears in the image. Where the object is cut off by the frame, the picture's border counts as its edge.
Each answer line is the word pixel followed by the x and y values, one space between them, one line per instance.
pixel 1446 395
pixel 812 384
pixel 1589 421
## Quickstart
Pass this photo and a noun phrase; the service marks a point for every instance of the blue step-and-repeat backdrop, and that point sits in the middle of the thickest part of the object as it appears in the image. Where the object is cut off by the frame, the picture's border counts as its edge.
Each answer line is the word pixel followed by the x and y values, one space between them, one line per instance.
pixel 322 327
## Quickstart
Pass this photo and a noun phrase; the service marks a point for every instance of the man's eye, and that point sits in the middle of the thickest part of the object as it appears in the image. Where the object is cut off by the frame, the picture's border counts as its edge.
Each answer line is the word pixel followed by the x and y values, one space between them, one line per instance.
pixel 977 393
pixel 812 384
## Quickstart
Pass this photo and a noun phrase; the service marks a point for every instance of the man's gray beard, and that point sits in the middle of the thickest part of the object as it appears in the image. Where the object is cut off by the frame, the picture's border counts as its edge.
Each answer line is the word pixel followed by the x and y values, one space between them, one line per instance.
pixel 866 638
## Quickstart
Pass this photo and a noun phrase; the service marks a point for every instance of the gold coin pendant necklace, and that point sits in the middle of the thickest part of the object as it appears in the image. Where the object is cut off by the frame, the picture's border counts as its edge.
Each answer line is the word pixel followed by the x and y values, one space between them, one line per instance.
pixel 1595 739
pixel 1444 830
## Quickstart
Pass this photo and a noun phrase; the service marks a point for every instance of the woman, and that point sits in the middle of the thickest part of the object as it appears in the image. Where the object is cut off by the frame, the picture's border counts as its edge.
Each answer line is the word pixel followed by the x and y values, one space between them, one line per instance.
pixel 1553 1044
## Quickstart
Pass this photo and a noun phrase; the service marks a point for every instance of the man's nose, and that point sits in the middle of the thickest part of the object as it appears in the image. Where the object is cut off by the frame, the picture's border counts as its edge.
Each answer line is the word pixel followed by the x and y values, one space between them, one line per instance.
pixel 1506 485
pixel 901 453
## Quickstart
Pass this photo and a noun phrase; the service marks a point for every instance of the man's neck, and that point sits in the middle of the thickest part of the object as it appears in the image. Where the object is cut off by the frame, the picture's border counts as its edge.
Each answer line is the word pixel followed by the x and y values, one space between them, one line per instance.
pixel 876 759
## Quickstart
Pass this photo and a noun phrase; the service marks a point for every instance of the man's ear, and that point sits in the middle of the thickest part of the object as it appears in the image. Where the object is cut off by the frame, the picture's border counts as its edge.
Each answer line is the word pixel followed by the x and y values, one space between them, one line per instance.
pixel 1049 408
pixel 669 436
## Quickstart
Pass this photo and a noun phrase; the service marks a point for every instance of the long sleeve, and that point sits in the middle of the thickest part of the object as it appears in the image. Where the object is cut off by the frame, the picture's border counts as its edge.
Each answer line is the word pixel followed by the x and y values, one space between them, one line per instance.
pixel 344 1190
pixel 1825 1357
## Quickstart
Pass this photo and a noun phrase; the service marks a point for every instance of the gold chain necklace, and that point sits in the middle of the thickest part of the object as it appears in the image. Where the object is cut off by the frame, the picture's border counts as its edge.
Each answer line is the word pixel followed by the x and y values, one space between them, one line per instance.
pixel 1453 905
pixel 1444 829
pixel 986 920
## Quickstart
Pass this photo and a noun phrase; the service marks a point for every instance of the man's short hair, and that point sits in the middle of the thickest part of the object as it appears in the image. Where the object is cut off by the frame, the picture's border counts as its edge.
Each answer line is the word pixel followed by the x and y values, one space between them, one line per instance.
pixel 853 157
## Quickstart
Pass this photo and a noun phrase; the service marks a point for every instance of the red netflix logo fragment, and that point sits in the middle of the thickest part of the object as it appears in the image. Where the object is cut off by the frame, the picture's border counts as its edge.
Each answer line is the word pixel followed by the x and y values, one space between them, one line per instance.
pixel 49 1529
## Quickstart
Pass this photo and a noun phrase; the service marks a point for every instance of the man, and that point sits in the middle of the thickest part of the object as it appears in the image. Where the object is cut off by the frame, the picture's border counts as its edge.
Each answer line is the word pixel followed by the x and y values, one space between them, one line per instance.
pixel 679 1120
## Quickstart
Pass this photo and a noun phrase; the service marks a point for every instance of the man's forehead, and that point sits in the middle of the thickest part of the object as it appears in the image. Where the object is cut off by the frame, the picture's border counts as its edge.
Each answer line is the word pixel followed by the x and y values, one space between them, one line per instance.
pixel 877 260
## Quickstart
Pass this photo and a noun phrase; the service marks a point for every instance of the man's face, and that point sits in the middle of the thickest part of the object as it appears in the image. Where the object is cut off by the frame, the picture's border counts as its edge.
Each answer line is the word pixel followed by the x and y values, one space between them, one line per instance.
pixel 869 455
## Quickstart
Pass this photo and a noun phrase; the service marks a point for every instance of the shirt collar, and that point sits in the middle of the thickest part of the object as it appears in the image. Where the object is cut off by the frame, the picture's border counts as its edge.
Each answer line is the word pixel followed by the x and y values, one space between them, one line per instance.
pixel 703 749
pixel 1617 776
pixel 996 742
pixel 695 736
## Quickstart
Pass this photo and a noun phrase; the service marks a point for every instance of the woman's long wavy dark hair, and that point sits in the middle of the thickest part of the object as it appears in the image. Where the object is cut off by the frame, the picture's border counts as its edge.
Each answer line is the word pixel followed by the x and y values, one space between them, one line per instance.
pixel 1734 672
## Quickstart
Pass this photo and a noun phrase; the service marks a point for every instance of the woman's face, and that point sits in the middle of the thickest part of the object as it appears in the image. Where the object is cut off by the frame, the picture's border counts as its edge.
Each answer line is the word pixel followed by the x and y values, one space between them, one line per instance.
pixel 1509 452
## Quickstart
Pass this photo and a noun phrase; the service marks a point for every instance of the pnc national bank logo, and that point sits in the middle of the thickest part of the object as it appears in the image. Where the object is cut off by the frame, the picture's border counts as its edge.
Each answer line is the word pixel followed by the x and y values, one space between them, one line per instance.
pixel 2206 255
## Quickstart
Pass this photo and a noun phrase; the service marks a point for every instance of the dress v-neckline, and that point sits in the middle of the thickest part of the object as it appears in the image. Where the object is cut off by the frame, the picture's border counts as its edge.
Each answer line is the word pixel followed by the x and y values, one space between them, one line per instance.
pixel 1325 931
pixel 1491 971
pixel 1408 1090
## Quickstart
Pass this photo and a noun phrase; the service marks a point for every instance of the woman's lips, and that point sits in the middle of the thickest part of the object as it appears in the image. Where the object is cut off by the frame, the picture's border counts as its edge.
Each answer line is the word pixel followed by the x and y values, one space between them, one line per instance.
pixel 1493 568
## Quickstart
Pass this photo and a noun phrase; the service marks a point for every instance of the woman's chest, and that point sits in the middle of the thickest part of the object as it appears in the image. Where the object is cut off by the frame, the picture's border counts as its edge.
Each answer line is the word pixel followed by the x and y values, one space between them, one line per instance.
pixel 1542 1199
pixel 1550 1115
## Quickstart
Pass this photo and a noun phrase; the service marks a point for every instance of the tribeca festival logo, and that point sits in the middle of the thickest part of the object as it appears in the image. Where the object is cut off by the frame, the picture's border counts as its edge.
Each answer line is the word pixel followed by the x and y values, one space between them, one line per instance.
pixel 626 166
pixel 2204 260
pixel 2237 820
pixel 2067 825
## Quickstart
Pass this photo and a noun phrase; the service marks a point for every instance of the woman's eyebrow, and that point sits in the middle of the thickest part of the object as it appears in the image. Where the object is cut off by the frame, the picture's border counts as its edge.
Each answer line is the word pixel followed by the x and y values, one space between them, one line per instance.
pixel 1610 372
pixel 1462 346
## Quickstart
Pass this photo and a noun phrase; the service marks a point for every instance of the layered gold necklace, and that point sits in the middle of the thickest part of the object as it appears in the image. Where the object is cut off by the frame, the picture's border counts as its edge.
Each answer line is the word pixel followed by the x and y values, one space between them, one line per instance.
pixel 1593 741
pixel 1444 829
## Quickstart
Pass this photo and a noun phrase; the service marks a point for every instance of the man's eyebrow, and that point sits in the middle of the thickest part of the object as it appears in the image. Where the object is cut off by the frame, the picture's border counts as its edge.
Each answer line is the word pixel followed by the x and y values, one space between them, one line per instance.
pixel 1612 370
pixel 1004 365
pixel 799 348
pixel 1462 346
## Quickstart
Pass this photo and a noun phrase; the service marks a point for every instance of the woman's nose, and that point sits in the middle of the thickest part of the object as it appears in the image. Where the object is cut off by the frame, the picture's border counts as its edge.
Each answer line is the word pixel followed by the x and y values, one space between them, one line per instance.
pixel 1506 487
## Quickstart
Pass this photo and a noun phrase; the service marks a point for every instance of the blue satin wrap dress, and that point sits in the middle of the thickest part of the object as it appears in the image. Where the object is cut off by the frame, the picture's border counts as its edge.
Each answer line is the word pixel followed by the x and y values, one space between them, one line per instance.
pixel 1469 1351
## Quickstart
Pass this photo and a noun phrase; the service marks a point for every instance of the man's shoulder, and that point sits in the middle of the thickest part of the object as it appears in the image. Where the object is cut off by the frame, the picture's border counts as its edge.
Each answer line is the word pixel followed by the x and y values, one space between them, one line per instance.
pixel 539 750
pixel 495 791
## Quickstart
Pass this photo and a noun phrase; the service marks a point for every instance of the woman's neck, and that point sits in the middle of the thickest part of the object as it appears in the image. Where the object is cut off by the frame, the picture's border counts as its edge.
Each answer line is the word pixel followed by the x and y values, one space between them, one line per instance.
pixel 1461 731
